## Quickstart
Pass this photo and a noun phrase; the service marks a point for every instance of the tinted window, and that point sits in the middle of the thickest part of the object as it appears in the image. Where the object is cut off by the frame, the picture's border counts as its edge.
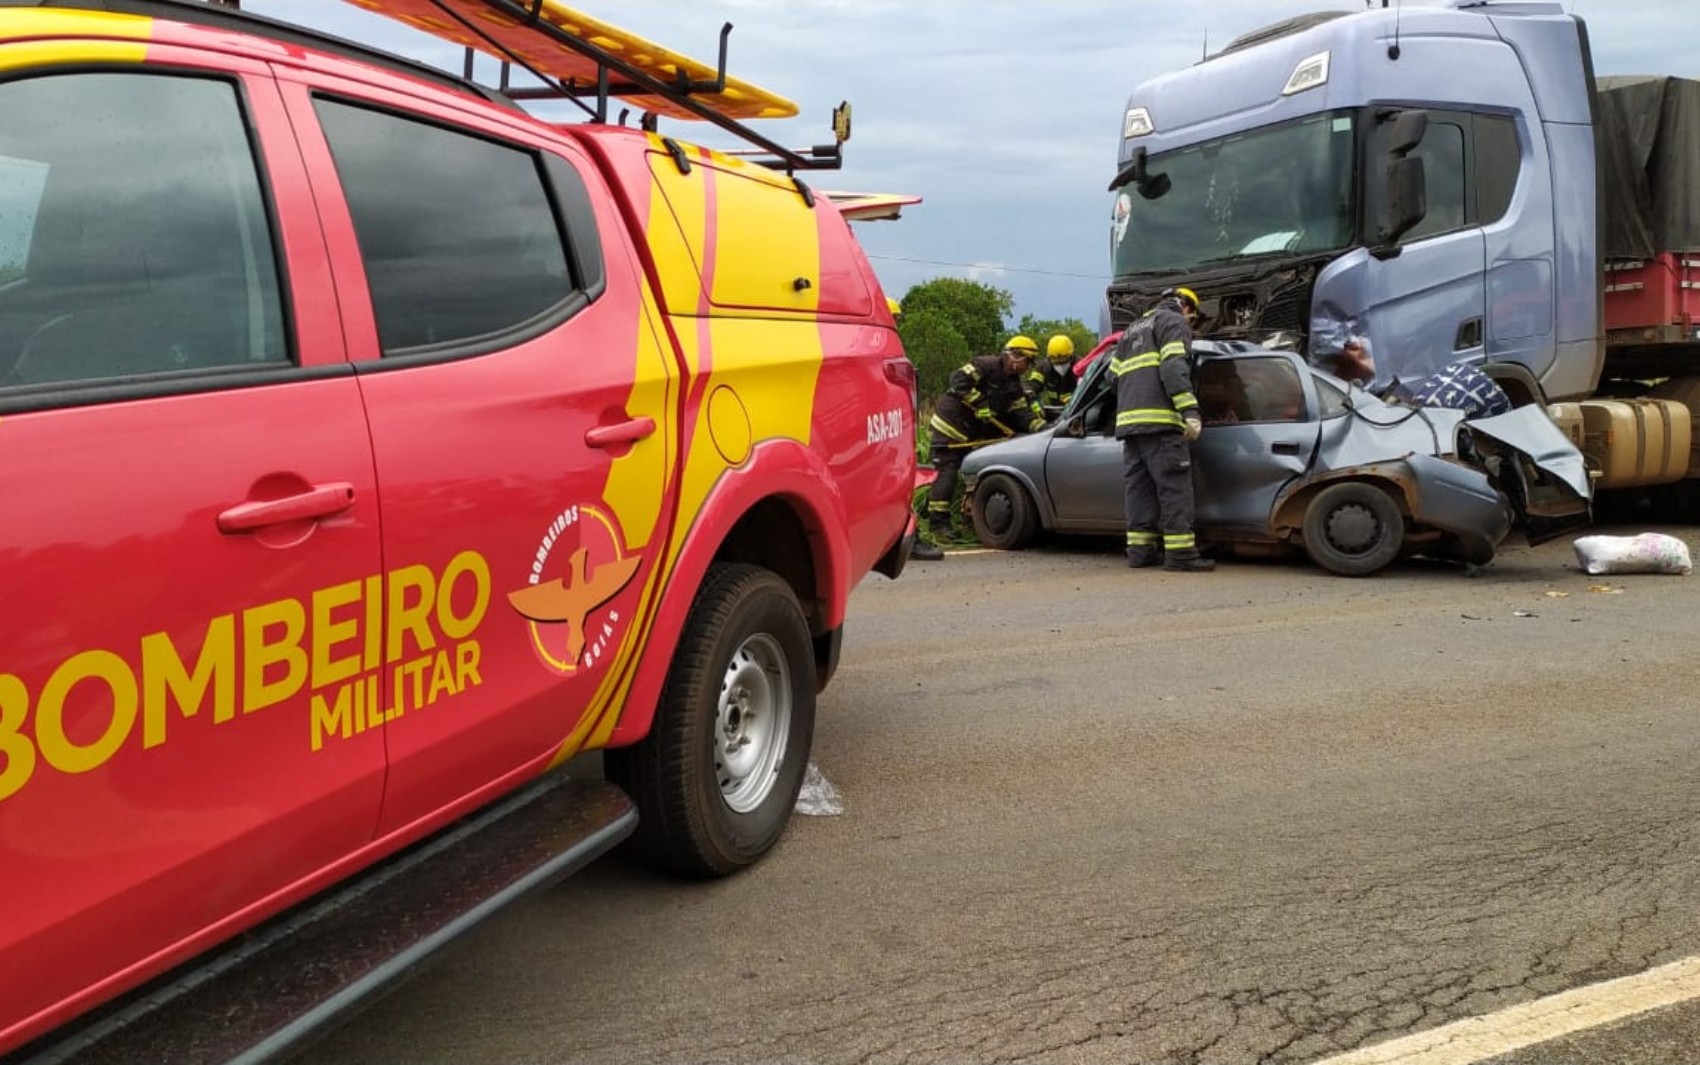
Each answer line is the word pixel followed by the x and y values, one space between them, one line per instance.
pixel 1498 160
pixel 133 233
pixel 1234 391
pixel 1442 153
pixel 458 234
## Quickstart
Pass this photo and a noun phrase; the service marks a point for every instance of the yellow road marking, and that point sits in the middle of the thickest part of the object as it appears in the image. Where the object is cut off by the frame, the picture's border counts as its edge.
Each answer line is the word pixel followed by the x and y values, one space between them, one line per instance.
pixel 1491 1035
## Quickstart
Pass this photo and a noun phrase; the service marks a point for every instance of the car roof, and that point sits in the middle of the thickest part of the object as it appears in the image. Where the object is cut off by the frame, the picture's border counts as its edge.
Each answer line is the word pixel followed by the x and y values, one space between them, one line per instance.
pixel 243 25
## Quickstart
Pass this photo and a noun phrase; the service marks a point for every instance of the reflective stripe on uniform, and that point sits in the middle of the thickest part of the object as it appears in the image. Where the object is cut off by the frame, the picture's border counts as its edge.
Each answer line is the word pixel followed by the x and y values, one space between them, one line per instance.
pixel 1172 349
pixel 1148 416
pixel 1141 539
pixel 1180 542
pixel 1118 367
pixel 938 506
pixel 1185 400
pixel 939 425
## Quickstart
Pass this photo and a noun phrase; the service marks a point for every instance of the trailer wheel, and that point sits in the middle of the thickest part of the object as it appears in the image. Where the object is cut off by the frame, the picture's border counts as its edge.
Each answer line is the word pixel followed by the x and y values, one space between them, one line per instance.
pixel 1353 529
pixel 718 775
pixel 1004 515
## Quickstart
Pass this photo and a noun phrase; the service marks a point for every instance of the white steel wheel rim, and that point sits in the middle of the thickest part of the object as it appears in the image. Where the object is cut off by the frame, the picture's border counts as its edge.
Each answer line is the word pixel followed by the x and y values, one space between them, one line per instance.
pixel 752 723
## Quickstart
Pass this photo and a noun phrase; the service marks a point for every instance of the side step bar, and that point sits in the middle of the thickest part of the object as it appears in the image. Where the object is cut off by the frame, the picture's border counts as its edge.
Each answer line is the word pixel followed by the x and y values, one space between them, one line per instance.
pixel 265 994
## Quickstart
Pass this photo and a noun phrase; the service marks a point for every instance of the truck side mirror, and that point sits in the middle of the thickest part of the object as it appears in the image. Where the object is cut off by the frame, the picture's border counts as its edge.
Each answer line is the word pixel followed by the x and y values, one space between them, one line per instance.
pixel 1407 198
pixel 1409 129
pixel 1407 186
pixel 1134 171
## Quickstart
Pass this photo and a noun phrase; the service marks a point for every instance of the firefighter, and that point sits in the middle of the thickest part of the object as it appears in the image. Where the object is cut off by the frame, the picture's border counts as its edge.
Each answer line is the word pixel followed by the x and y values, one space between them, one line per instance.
pixel 1157 419
pixel 1052 380
pixel 987 400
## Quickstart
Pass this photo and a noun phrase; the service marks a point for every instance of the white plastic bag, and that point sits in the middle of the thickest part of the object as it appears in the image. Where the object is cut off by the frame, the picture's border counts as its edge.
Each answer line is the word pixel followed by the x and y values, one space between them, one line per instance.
pixel 1646 553
pixel 818 798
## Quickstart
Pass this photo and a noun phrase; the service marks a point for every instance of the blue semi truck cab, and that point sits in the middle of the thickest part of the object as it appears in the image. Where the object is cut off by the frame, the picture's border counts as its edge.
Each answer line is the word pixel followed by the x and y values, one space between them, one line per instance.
pixel 1425 177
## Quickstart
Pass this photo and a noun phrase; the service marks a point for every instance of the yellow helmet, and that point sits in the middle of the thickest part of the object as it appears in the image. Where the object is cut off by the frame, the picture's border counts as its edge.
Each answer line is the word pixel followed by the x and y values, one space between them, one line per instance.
pixel 894 307
pixel 1185 295
pixel 1022 345
pixel 1059 347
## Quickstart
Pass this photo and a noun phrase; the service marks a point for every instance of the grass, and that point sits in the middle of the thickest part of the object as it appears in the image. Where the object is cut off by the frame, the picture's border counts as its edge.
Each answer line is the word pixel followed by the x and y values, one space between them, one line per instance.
pixel 961 528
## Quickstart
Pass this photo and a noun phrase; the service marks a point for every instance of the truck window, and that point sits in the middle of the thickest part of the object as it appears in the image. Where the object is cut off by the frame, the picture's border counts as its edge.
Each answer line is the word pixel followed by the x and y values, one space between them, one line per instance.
pixel 460 239
pixel 1442 153
pixel 134 238
pixel 1499 160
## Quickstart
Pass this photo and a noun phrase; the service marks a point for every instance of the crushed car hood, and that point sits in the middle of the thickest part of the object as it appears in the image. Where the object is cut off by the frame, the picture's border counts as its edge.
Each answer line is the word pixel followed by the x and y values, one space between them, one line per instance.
pixel 1530 431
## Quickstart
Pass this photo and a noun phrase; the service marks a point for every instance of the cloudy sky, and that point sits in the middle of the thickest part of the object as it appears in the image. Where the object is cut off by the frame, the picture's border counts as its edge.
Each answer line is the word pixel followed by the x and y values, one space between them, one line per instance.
pixel 1003 114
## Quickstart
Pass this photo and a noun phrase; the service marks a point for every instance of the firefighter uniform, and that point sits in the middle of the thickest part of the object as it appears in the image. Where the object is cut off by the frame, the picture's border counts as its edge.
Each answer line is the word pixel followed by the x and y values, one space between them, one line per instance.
pixel 1052 383
pixel 1152 369
pixel 985 402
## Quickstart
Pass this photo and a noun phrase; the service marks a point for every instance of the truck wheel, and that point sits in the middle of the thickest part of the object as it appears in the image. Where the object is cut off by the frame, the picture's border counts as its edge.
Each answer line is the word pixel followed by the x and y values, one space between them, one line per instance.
pixel 1004 516
pixel 717 776
pixel 1353 529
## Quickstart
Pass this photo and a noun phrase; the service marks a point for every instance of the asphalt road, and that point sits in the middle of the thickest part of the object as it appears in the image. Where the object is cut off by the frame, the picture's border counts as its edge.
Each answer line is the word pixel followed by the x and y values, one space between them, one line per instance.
pixel 1101 816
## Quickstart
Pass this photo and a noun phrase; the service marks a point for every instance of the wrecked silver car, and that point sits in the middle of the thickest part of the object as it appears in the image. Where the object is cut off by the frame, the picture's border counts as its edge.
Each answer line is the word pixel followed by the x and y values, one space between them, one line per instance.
pixel 1293 457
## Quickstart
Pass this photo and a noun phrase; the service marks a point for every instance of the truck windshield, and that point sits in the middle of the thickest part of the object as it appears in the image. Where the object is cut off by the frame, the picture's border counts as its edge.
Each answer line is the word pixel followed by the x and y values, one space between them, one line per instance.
pixel 1282 189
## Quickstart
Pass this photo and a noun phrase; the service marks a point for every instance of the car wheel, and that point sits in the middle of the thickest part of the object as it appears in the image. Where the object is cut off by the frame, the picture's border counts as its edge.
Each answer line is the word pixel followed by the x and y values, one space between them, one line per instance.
pixel 717 777
pixel 1353 529
pixel 1004 515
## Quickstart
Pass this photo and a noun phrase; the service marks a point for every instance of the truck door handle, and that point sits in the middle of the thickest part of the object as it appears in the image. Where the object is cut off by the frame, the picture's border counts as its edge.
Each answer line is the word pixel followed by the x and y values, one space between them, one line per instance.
pixel 1469 334
pixel 320 501
pixel 1284 447
pixel 627 432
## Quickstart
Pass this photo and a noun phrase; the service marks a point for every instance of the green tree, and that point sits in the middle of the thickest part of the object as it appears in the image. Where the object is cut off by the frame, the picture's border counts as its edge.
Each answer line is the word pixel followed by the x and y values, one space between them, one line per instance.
pixel 935 347
pixel 1042 329
pixel 976 311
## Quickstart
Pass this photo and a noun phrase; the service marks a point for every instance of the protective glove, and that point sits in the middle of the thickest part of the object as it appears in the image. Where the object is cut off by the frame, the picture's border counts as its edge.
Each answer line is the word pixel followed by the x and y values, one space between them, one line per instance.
pixel 1192 425
pixel 984 414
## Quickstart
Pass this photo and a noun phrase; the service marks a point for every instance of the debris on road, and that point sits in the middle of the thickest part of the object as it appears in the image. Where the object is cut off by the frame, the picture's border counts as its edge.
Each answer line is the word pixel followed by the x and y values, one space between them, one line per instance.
pixel 1646 553
pixel 818 798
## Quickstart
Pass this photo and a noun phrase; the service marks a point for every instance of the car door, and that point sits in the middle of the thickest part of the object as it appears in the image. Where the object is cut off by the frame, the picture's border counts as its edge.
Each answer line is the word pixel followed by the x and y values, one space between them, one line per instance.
pixel 1260 432
pixel 191 525
pixel 1083 464
pixel 520 403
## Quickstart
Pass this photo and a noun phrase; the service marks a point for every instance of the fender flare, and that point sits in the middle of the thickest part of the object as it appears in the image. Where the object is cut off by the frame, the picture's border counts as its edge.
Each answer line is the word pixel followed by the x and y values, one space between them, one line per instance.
pixel 783 470
pixel 1287 516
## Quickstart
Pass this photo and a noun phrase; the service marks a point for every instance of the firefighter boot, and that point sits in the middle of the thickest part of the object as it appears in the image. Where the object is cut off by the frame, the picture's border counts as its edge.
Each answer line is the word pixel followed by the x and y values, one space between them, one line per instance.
pixel 925 551
pixel 1188 564
pixel 1138 558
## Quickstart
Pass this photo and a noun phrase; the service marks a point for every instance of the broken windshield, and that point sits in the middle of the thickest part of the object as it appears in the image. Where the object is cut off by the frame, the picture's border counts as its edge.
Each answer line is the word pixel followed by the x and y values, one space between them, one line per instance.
pixel 1278 190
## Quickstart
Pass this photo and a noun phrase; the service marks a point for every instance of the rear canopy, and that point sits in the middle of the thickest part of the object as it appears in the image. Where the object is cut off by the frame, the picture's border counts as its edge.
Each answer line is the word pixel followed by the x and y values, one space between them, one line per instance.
pixel 1648 139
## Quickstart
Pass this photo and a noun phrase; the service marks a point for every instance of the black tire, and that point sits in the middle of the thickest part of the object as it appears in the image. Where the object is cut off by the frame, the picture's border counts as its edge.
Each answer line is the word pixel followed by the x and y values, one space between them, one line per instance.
pixel 717 777
pixel 1353 529
pixel 1004 514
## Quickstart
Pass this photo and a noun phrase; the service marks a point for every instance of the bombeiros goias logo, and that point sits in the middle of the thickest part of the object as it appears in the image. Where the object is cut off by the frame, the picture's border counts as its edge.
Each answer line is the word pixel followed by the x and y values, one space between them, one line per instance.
pixel 580 566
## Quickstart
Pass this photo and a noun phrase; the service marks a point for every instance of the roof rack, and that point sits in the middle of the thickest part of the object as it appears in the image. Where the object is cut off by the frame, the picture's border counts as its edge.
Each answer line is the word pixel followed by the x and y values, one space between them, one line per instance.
pixel 577 58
